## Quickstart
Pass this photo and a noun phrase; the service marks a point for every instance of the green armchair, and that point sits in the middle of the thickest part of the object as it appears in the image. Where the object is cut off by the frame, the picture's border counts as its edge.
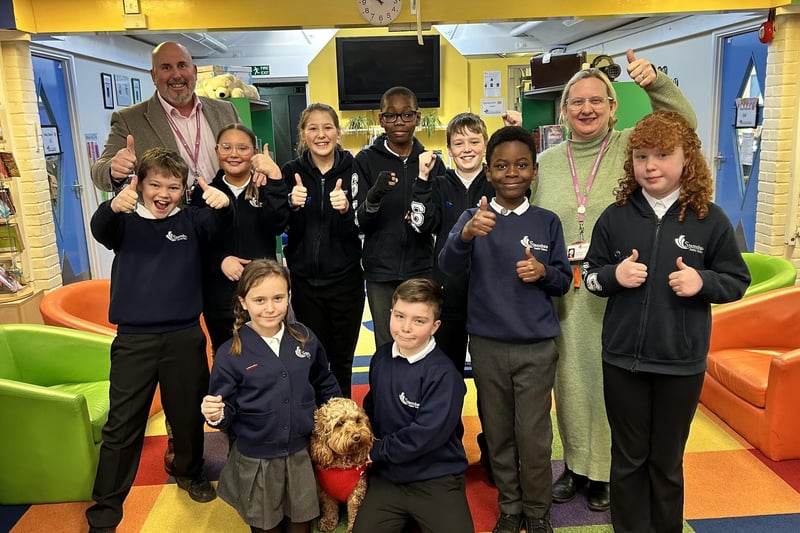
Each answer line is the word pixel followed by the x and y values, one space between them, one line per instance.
pixel 54 401
pixel 768 272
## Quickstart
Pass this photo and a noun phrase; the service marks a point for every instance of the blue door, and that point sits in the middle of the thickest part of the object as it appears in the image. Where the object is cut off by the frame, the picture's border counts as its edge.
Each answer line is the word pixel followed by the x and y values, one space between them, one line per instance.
pixel 62 173
pixel 744 68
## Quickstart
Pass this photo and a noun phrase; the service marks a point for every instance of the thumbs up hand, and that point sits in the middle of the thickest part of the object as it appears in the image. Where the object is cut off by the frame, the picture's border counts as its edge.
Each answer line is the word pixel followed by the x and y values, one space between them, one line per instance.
pixel 685 281
pixel 339 198
pixel 126 199
pixel 629 273
pixel 124 161
pixel 640 70
pixel 481 223
pixel 264 167
pixel 530 269
pixel 299 194
pixel 213 197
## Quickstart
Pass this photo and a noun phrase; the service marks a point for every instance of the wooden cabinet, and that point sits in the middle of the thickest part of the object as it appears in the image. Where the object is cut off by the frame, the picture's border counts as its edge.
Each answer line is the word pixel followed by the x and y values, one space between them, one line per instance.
pixel 21 307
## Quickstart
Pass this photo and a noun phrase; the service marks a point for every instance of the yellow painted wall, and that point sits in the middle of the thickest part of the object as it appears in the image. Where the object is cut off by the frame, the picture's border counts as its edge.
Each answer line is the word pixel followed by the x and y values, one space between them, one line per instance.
pixel 461 89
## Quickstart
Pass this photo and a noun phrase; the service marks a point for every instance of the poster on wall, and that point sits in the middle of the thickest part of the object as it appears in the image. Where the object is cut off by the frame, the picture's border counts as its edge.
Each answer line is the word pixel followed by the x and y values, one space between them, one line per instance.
pixel 123 90
pixel 107 88
pixel 491 83
pixel 492 107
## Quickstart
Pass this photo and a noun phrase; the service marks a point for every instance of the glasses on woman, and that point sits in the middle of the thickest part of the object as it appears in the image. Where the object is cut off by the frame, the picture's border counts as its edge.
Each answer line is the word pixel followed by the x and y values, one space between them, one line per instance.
pixel 406 116
pixel 594 101
pixel 241 149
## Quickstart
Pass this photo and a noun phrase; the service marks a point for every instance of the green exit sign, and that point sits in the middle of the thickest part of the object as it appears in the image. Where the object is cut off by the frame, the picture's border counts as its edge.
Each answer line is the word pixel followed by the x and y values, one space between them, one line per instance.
pixel 259 70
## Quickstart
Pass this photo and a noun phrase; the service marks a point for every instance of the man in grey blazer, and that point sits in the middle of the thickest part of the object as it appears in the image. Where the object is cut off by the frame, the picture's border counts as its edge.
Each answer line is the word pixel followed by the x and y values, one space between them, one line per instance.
pixel 172 118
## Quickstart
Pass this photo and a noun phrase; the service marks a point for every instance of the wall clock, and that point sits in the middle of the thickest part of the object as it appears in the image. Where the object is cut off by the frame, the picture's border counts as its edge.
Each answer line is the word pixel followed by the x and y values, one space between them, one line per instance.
pixel 379 12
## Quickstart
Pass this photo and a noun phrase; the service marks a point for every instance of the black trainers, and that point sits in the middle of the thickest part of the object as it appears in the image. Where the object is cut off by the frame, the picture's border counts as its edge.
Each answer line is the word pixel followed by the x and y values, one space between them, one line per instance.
pixel 93 529
pixel 200 490
pixel 508 523
pixel 538 525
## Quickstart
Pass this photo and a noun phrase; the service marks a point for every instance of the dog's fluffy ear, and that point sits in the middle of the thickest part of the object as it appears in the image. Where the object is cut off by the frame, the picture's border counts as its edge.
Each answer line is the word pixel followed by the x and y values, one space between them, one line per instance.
pixel 321 455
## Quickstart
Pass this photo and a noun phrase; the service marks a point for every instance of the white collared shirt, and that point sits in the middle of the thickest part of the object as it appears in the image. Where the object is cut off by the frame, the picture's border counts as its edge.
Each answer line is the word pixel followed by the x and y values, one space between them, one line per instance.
pixel 208 164
pixel 661 205
pixel 236 189
pixel 274 342
pixel 419 356
pixel 519 210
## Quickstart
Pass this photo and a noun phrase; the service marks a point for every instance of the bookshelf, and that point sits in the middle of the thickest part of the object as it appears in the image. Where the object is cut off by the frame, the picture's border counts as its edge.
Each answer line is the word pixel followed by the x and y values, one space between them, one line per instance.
pixel 12 277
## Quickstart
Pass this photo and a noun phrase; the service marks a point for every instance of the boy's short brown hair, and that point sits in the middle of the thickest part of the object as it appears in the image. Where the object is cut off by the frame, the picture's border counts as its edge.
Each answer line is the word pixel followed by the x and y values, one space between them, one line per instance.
pixel 420 290
pixel 464 122
pixel 167 162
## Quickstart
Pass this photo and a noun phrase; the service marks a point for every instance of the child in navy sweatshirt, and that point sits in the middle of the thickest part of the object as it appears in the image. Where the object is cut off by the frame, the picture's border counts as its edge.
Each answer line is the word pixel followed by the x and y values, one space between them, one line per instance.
pixel 266 383
pixel 414 403
pixel 517 261
pixel 156 301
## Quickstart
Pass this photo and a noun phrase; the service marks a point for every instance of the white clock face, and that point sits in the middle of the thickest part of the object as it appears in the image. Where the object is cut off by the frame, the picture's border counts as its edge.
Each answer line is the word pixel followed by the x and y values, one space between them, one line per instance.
pixel 379 12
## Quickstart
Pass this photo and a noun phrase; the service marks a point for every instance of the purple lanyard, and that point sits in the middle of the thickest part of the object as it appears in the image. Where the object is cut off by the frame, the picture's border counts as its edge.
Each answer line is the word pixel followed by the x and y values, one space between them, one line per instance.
pixel 196 157
pixel 581 198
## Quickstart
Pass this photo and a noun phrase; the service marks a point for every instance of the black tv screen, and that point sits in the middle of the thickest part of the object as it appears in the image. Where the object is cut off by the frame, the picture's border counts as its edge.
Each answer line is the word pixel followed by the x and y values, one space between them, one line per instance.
pixel 367 66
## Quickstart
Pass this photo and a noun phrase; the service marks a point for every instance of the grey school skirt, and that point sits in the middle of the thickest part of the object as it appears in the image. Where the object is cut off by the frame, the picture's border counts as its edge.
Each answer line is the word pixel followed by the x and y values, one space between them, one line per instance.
pixel 264 491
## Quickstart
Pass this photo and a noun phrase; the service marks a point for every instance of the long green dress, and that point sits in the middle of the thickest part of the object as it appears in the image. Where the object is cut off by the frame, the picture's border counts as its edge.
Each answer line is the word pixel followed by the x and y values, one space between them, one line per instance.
pixel 580 409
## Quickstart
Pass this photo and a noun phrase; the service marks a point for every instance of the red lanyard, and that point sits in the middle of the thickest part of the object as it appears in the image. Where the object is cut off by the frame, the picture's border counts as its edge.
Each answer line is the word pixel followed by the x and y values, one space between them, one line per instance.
pixel 195 158
pixel 581 197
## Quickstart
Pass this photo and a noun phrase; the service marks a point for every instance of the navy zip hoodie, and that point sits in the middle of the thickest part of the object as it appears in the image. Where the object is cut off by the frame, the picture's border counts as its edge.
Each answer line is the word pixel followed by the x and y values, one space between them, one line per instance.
pixel 650 328
pixel 393 249
pixel 323 245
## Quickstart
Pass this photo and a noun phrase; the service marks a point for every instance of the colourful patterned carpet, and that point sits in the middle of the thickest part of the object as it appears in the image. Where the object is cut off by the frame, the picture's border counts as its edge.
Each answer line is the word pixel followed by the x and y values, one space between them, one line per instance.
pixel 730 487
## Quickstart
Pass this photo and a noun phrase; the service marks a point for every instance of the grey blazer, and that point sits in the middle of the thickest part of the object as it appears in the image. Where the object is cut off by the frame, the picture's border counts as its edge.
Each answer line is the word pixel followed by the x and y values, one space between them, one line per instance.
pixel 147 122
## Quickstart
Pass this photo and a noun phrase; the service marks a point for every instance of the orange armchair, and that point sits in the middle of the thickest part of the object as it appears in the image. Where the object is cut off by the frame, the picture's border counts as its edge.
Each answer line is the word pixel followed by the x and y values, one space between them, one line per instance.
pixel 753 377
pixel 84 305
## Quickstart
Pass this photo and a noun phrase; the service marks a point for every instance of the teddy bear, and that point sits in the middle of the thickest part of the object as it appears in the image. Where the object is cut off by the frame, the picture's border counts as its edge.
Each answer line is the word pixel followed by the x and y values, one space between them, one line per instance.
pixel 226 86
pixel 340 445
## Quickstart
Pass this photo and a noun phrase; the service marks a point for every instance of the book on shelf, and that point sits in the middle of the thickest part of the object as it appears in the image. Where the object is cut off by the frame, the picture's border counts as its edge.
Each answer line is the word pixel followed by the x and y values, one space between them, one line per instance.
pixel 9 165
pixel 7 207
pixel 11 238
pixel 8 281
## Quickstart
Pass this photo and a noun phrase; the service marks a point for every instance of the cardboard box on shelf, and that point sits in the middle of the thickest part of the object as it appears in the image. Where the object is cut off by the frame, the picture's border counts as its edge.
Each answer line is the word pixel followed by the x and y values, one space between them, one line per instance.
pixel 209 71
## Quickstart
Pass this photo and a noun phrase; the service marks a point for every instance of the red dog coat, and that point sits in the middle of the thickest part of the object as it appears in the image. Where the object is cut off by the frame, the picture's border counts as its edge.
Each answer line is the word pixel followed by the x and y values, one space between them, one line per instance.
pixel 340 482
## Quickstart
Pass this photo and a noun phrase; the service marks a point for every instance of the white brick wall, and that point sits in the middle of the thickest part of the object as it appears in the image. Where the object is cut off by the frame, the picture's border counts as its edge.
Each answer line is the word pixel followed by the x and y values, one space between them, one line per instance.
pixel 31 193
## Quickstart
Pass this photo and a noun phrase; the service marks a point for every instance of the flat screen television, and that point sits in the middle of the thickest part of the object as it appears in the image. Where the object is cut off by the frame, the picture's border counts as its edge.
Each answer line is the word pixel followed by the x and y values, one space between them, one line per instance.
pixel 367 66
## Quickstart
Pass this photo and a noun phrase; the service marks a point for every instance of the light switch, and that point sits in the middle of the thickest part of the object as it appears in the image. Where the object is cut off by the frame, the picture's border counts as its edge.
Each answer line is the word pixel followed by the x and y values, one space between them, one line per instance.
pixel 131 7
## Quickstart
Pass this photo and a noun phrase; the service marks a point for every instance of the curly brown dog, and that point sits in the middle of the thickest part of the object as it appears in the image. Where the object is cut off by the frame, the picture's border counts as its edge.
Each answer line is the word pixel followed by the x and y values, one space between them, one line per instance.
pixel 340 445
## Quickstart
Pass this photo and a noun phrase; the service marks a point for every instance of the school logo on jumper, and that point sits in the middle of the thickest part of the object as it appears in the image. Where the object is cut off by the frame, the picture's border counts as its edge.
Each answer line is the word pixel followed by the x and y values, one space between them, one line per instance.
pixel 684 245
pixel 526 242
pixel 175 238
pixel 255 202
pixel 302 354
pixel 407 402
pixel 354 184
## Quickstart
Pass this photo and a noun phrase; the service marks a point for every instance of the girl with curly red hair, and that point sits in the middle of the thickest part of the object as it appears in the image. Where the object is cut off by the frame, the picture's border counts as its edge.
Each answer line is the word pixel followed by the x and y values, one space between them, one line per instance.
pixel 662 254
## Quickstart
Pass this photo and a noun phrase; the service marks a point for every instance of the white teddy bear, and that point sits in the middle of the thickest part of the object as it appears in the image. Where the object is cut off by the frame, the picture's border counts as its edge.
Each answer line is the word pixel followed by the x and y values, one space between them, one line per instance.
pixel 226 86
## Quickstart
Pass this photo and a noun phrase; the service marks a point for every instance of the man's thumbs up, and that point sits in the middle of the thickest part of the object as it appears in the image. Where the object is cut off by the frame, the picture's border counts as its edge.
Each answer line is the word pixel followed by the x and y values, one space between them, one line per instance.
pixel 124 161
pixel 679 262
pixel 483 205
pixel 634 256
pixel 213 197
pixel 339 198
pixel 126 199
pixel 299 195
